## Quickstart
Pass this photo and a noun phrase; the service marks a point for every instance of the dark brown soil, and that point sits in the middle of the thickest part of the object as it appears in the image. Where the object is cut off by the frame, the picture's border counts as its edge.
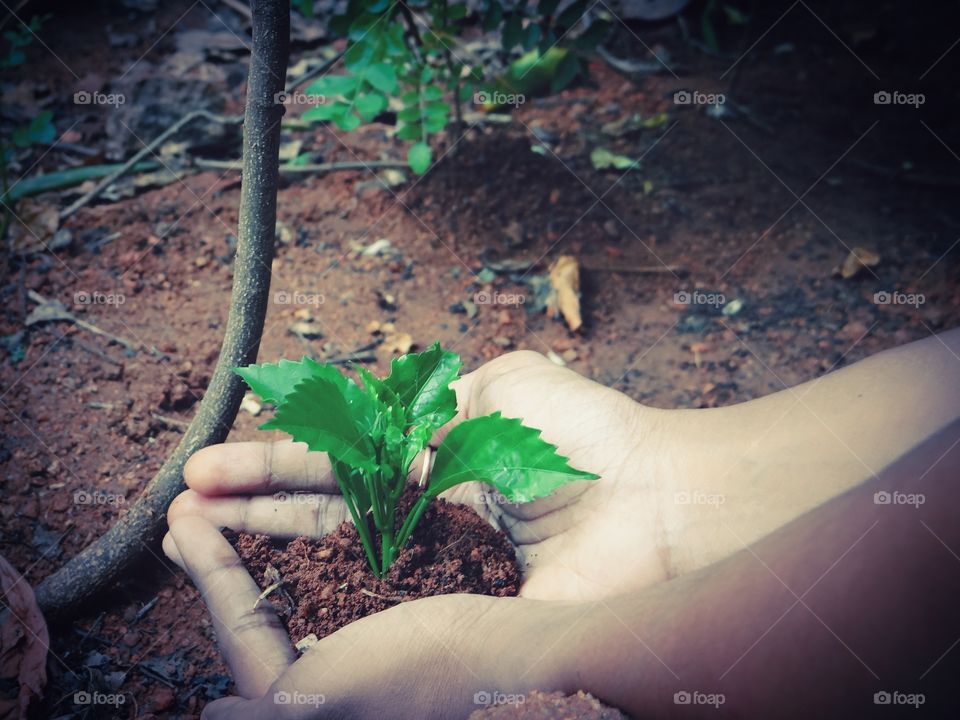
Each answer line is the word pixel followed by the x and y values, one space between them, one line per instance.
pixel 328 583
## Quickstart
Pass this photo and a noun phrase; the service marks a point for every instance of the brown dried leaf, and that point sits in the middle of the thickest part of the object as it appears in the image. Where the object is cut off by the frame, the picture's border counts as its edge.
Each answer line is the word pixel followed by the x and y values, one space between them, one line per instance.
pixel 33 226
pixel 398 343
pixel 23 644
pixel 565 295
pixel 858 259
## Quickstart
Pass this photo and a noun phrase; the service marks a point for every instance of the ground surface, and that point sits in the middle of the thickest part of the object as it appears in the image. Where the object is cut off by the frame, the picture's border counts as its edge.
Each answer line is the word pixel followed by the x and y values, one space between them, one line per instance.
pixel 757 207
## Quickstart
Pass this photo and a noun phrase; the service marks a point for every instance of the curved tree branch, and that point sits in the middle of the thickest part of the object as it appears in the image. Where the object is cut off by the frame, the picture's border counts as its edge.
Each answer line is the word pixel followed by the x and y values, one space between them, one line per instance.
pixel 102 563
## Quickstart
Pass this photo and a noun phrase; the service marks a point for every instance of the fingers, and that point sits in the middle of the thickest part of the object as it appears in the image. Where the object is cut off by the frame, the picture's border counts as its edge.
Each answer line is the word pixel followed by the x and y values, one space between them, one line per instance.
pixel 229 708
pixel 253 642
pixel 281 516
pixel 258 468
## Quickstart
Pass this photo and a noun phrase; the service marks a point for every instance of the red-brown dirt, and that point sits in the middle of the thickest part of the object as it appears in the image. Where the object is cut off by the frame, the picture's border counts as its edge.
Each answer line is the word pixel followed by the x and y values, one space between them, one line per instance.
pixel 85 423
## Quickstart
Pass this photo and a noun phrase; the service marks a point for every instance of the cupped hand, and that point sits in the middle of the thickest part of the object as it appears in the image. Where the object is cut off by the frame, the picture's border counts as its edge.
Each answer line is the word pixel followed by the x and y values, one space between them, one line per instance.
pixel 587 541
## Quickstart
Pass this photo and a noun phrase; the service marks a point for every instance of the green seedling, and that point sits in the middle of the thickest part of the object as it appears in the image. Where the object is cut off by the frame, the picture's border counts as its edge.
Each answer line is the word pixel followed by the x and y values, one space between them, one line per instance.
pixel 372 433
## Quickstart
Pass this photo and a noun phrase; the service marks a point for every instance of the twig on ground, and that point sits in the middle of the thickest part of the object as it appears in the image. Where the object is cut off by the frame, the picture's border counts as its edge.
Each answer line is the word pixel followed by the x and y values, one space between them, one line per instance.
pixel 311 74
pixel 172 423
pixel 388 598
pixel 147 149
pixel 65 315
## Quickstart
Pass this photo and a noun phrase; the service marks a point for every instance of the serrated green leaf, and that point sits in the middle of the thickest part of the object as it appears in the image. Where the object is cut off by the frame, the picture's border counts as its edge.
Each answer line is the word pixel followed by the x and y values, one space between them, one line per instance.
pixel 383 77
pixel 505 453
pixel 274 381
pixel 421 381
pixel 432 92
pixel 317 413
pixel 419 157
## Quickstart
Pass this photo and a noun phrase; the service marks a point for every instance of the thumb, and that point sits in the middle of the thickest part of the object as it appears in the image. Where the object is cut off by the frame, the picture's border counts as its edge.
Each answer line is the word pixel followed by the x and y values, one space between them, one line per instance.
pixel 229 708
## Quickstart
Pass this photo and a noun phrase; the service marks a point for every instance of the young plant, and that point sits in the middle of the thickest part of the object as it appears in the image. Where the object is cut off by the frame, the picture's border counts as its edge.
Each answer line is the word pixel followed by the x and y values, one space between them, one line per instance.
pixel 405 56
pixel 373 432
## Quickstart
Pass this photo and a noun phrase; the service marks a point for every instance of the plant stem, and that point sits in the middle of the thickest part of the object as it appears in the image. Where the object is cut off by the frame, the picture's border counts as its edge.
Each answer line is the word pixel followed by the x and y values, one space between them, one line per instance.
pixel 413 517
pixel 106 560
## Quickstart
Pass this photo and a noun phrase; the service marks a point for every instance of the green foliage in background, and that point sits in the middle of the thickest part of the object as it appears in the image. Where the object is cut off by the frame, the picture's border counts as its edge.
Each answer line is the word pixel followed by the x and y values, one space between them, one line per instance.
pixel 407 57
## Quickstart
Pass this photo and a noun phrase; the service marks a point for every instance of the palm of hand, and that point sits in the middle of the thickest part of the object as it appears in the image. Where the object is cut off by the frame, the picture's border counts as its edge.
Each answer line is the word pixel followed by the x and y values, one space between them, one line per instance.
pixel 592 539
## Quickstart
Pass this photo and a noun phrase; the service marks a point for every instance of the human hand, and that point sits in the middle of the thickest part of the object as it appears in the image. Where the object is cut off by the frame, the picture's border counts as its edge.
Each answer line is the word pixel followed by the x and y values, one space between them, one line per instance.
pixel 571 544
pixel 588 540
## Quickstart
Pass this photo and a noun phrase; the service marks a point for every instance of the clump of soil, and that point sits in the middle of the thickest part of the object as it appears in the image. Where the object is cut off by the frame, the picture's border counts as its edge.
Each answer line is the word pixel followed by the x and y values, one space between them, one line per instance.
pixel 327 583
pixel 551 706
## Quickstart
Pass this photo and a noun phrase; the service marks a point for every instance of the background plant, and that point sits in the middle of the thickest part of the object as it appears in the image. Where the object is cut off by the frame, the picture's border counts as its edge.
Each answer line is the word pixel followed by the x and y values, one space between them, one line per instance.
pixel 373 432
pixel 406 56
pixel 40 129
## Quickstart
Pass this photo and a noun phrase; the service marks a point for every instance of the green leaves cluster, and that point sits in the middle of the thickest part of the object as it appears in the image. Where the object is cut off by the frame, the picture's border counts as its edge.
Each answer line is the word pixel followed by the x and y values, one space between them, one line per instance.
pixel 372 432
pixel 401 58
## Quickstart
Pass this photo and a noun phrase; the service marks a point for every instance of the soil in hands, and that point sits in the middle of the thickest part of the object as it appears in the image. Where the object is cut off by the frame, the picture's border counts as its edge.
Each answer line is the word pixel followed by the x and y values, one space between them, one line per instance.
pixel 326 584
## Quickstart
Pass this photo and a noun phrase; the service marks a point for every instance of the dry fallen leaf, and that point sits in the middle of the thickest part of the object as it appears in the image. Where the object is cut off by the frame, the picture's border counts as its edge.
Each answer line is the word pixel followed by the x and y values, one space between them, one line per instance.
pixel 565 291
pixel 33 227
pixel 858 259
pixel 398 343
pixel 23 645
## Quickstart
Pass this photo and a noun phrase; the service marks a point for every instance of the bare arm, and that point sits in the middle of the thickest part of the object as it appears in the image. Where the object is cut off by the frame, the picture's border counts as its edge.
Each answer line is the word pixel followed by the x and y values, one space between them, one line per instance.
pixel 851 599
pixel 766 462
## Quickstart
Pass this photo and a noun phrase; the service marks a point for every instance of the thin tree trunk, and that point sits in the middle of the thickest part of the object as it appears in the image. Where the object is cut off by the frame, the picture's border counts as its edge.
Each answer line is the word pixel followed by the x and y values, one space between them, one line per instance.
pixel 105 561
